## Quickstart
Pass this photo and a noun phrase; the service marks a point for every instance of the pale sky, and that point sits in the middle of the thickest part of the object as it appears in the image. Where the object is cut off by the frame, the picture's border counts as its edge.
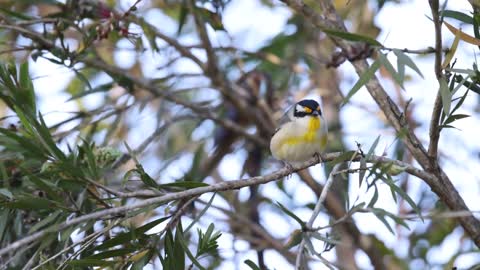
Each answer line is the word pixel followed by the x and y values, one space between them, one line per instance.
pixel 416 32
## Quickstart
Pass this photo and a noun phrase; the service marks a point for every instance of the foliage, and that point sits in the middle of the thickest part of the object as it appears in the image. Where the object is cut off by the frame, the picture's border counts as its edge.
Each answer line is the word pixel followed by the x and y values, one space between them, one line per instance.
pixel 75 193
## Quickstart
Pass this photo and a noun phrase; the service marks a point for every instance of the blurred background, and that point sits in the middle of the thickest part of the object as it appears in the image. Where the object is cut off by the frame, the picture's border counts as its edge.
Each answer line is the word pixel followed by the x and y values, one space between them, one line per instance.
pixel 169 79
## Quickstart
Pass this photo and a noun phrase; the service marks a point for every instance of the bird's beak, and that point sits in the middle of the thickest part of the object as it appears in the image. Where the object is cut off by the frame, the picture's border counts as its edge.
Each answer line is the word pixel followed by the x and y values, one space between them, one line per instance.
pixel 315 113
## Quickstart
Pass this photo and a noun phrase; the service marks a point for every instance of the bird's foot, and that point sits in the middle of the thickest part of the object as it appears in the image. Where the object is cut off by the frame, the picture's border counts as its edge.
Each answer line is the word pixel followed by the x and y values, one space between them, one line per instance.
pixel 290 168
pixel 318 156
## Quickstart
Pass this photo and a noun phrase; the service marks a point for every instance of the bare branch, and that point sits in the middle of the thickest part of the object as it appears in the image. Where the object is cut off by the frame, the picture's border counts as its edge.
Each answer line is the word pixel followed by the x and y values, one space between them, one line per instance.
pixel 228 185
pixel 441 185
pixel 437 107
pixel 315 213
pixel 428 50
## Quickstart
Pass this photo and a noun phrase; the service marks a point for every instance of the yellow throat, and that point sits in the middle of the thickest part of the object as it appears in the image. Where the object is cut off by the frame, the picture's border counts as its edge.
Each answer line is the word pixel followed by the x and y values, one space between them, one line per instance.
pixel 309 136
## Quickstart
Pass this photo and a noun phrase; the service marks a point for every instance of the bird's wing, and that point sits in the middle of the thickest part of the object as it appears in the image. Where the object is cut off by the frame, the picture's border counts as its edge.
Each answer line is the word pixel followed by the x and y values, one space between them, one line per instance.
pixel 287 117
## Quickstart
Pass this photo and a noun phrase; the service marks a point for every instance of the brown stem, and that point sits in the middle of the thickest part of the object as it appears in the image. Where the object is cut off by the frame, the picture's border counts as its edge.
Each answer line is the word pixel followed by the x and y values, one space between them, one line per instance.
pixel 441 184
pixel 437 107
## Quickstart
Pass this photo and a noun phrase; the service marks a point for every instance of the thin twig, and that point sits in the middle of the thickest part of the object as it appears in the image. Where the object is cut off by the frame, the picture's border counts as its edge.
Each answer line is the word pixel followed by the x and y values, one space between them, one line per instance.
pixel 441 184
pixel 172 223
pixel 428 50
pixel 228 185
pixel 315 213
pixel 201 111
pixel 266 240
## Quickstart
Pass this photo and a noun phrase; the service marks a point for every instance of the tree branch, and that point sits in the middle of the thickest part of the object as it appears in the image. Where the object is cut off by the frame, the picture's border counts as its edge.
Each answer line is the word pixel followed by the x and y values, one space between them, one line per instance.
pixel 228 185
pixel 315 212
pixel 437 107
pixel 441 184
pixel 336 208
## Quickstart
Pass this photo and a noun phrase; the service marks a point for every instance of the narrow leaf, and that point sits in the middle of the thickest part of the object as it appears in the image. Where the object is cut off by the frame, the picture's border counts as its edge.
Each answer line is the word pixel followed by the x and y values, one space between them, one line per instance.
pixel 455 117
pixel 458 16
pixel 353 37
pixel 294 239
pixel 184 184
pixel 197 217
pixel 446 95
pixel 404 59
pixel 91 262
pixel 374 198
pixel 363 170
pixel 362 80
pixel 252 265
pixel 291 214
pixel 451 52
pixel 390 69
pixel 385 222
pixel 462 35
pixel 372 148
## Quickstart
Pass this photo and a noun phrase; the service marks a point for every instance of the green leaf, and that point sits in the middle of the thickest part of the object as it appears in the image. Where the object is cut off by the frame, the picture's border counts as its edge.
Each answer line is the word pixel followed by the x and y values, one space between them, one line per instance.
pixel 345 156
pixel 352 37
pixel 251 264
pixel 446 95
pixel 374 198
pixel 45 221
pixel 150 225
pixel 27 87
pixel 146 179
pixel 30 203
pixel 47 139
pixel 83 79
pixel 458 16
pixel 207 243
pixel 367 76
pixel 368 156
pixel 123 238
pixel 447 126
pixel 212 18
pixel 101 88
pixel 476 25
pixel 197 217
pixel 91 161
pixel 384 221
pixel 112 253
pixel 404 60
pixel 363 170
pixel 4 221
pixel 455 117
pixel 7 193
pixel 294 239
pixel 325 238
pixel 182 17
pixel 390 69
pixel 291 214
pixel 181 248
pixel 18 15
pixel 372 148
pixel 140 262
pixel 91 262
pixel 381 213
pixel 460 102
pixel 404 196
pixel 184 184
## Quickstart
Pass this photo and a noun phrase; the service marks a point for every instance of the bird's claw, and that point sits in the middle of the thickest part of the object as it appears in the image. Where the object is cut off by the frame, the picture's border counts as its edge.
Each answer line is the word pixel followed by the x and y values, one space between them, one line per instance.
pixel 290 168
pixel 319 157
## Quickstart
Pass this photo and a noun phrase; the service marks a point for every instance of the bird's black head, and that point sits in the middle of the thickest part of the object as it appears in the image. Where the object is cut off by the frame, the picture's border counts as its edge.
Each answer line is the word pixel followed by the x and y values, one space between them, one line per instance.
pixel 307 107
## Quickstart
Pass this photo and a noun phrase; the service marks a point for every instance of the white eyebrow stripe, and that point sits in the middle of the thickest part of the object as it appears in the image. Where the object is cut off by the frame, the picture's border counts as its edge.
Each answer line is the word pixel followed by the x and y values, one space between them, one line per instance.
pixel 300 108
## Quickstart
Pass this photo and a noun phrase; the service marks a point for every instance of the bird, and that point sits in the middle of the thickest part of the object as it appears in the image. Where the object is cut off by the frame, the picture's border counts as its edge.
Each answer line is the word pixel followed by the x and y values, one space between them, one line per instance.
pixel 302 133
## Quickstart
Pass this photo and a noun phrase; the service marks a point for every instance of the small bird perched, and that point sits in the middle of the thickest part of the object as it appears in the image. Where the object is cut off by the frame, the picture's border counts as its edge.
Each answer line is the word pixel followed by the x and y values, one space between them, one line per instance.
pixel 302 133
